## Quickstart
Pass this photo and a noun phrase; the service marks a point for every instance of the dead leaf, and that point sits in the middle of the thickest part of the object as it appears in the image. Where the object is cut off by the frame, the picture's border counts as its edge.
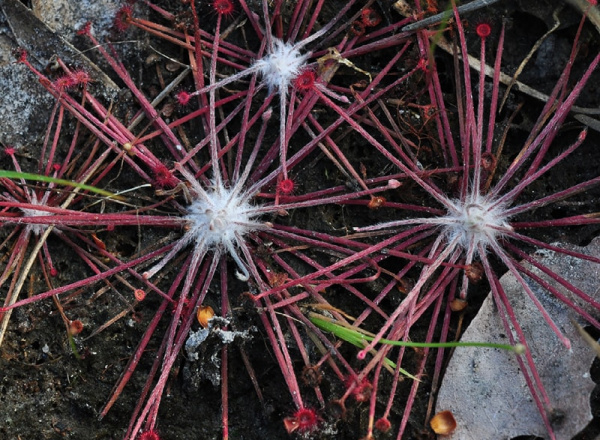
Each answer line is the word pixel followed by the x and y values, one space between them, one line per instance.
pixel 485 389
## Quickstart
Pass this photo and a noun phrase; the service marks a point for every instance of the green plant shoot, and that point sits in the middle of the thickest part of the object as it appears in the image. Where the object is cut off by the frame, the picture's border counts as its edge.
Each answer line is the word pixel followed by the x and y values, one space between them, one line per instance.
pixel 39 178
pixel 358 337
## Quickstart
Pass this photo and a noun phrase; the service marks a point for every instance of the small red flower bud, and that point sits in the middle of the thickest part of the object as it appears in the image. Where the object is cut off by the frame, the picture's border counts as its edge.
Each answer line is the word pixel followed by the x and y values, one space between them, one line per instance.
pixel 86 29
pixel 64 82
pixel 98 242
pixel 80 77
pixel 423 65
pixel 370 17
pixel 267 114
pixel 139 294
pixel 394 184
pixel 123 18
pixel 357 28
pixel 383 425
pixel 483 30
pixel 286 186
pixel 362 390
pixel 21 55
pixel 75 327
pixel 183 98
pixel 305 81
pixel 149 435
pixel 164 178
pixel 223 7
pixel 304 420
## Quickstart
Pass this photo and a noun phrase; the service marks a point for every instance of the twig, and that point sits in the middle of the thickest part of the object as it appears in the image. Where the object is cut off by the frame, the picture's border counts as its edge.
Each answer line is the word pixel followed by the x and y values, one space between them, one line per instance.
pixel 447 14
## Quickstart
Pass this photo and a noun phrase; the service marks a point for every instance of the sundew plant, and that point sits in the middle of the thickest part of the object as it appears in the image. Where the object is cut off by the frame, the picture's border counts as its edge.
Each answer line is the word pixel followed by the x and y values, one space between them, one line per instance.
pixel 473 221
pixel 226 189
pixel 256 136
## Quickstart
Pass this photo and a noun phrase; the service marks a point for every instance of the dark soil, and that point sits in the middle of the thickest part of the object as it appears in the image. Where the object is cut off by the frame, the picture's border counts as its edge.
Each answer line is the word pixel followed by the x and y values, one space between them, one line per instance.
pixel 47 393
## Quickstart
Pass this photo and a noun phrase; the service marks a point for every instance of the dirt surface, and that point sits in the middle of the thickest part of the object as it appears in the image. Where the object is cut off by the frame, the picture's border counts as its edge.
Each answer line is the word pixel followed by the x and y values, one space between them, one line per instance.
pixel 46 392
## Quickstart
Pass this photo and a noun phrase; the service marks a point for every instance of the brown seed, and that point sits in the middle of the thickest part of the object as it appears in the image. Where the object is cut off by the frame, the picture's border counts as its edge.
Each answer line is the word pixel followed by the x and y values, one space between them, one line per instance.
pixel 404 286
pixel 376 202
pixel 474 272
pixel 128 147
pixel 204 314
pixel 98 242
pixel 443 423
pixel 458 305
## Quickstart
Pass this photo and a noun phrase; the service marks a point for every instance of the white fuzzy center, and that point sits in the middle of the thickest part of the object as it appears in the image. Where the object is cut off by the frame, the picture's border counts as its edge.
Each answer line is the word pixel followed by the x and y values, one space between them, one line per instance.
pixel 218 217
pixel 36 229
pixel 217 221
pixel 281 66
pixel 476 222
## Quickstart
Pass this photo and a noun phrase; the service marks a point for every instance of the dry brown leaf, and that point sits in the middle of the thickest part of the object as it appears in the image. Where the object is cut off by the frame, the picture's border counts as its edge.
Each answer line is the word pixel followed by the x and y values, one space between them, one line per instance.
pixel 485 389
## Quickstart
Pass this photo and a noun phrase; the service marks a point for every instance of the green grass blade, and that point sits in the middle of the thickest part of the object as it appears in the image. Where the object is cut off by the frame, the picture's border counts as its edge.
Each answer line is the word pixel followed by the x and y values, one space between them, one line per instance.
pixel 39 178
pixel 354 337
pixel 358 337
